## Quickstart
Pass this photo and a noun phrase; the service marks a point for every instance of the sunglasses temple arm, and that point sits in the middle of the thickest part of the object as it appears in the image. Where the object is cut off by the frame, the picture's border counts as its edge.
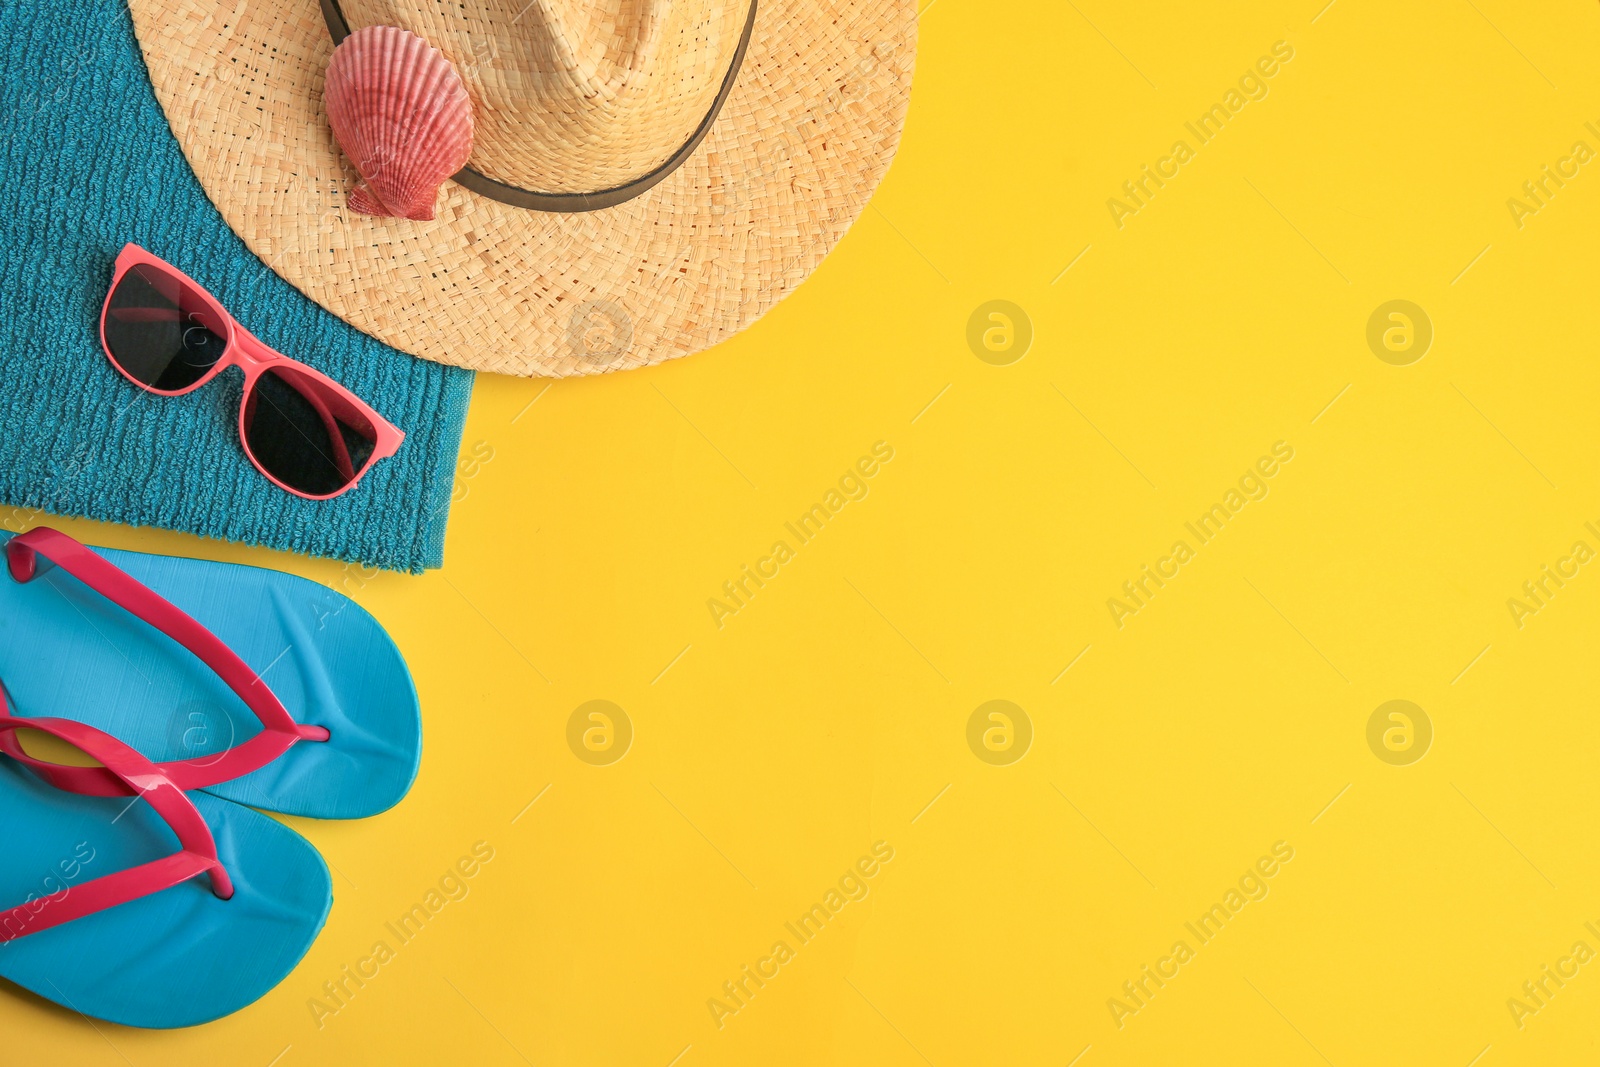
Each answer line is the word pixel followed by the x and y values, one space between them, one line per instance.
pixel 341 455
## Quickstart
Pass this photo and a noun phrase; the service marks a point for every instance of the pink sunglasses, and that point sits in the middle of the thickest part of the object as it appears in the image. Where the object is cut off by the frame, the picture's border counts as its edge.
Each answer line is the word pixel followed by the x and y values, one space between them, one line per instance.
pixel 307 433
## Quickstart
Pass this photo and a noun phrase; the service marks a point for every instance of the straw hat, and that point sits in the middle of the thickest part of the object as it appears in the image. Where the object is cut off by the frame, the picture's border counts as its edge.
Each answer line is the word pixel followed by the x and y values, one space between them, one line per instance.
pixel 729 144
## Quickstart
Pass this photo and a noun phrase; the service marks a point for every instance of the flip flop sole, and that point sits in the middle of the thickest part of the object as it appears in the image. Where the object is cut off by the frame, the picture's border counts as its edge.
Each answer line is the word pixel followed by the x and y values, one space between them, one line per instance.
pixel 175 958
pixel 66 650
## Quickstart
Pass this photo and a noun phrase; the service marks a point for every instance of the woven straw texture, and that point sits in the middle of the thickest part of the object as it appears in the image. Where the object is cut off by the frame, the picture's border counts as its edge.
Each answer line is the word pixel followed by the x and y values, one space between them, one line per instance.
pixel 570 96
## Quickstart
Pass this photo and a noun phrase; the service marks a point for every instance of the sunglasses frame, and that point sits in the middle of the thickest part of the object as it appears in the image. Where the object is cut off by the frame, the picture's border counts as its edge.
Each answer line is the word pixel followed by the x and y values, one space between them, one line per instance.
pixel 244 350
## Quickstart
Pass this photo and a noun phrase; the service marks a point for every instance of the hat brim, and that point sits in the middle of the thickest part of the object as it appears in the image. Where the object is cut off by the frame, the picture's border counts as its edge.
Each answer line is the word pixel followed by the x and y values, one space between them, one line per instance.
pixel 800 144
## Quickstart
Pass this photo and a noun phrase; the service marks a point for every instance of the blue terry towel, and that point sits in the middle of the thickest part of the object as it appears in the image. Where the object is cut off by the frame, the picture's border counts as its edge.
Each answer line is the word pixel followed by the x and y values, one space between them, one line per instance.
pixel 87 164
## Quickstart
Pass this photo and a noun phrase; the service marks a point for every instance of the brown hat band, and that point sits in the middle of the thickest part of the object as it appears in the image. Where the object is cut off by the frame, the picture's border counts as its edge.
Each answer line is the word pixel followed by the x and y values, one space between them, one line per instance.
pixel 484 185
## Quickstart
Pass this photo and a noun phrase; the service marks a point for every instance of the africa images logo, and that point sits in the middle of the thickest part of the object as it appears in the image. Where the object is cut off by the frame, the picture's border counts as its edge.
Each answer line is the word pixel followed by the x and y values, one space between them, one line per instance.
pixel 853 485
pixel 1252 85
pixel 1139 591
pixel 1138 992
pixel 54 889
pixel 852 886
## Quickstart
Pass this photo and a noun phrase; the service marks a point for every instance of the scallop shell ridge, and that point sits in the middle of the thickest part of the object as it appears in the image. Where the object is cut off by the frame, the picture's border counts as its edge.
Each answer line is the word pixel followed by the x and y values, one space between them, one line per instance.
pixel 401 113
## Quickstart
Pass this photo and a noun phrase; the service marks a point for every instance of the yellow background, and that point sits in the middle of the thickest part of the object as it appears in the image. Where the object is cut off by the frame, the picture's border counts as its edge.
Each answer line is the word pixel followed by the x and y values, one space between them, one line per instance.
pixel 769 754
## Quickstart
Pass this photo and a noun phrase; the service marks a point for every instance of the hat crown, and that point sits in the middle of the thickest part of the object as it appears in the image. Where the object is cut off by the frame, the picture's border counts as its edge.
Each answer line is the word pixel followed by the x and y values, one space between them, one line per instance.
pixel 576 96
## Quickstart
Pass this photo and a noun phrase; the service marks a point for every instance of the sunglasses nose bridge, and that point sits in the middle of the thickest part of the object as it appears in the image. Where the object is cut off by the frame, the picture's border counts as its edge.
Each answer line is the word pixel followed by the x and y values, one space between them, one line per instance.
pixel 250 350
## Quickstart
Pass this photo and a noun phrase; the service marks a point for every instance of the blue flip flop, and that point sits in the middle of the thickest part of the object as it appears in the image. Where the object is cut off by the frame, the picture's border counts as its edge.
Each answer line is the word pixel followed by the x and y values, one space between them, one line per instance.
pixel 108 918
pixel 67 648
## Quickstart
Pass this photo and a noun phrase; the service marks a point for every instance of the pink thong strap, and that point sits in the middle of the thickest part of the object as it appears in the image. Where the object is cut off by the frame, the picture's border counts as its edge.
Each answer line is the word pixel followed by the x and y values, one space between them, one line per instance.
pixel 196 855
pixel 278 733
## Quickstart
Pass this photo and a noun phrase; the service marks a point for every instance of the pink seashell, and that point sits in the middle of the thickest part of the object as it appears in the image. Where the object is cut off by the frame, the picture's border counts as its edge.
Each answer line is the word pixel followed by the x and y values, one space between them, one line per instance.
pixel 402 115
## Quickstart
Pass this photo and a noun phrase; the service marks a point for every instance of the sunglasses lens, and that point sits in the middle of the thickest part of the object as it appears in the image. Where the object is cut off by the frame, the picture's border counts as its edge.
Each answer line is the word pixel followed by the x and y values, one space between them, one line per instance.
pixel 306 435
pixel 161 331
